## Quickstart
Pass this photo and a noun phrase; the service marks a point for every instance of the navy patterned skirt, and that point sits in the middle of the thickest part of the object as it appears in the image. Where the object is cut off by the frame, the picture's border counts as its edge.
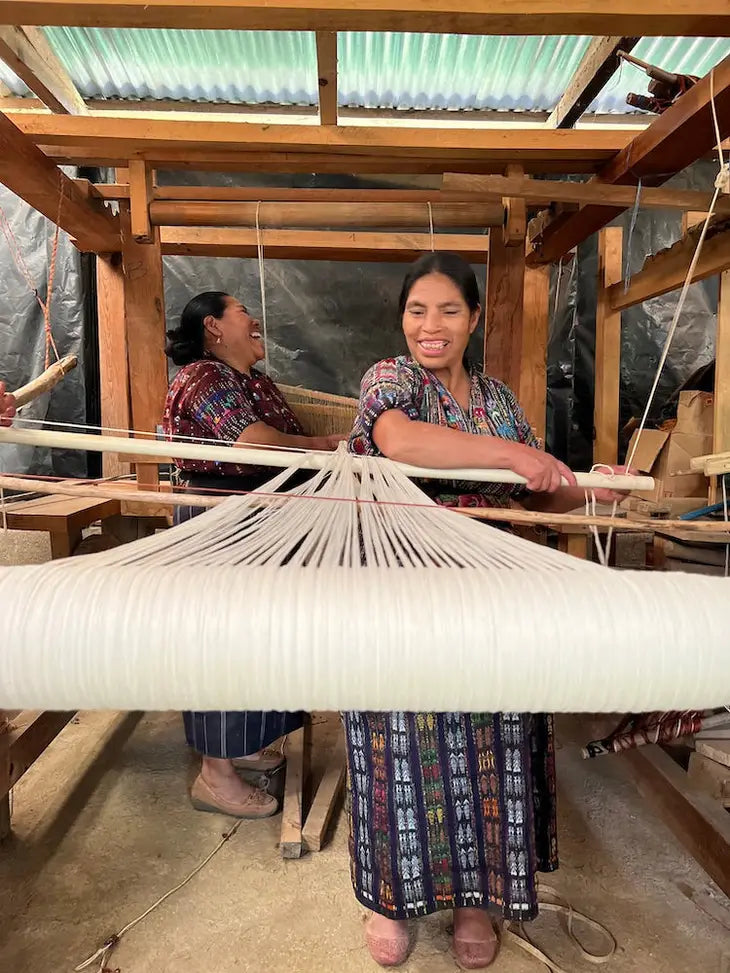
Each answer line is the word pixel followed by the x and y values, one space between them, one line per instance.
pixel 230 734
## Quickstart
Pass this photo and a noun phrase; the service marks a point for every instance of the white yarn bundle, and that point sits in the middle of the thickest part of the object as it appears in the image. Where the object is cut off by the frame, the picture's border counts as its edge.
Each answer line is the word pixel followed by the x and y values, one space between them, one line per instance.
pixel 310 600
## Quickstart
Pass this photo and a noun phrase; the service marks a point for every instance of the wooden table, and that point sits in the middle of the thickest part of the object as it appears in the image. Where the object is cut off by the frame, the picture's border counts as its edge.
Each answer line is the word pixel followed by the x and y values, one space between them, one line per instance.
pixel 63 518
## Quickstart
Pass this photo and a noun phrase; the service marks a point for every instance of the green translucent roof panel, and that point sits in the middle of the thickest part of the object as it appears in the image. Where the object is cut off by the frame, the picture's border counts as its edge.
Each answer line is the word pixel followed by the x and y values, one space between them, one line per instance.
pixel 377 70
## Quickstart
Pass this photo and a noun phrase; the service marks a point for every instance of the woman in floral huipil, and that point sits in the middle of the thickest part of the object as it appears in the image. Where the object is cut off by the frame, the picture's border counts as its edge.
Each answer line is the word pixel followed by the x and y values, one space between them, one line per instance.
pixel 450 810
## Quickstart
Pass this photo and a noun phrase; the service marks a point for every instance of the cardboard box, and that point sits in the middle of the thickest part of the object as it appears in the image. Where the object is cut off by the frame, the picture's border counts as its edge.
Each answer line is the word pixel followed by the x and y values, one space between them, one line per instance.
pixel 695 413
pixel 666 456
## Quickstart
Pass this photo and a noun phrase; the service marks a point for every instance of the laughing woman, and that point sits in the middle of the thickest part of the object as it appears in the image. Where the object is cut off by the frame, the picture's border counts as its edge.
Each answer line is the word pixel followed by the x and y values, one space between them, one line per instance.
pixel 219 394
pixel 451 810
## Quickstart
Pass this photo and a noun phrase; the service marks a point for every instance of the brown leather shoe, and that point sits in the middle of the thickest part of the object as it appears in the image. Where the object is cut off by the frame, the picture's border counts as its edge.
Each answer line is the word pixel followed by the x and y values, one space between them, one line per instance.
pixel 387 940
pixel 265 762
pixel 258 804
pixel 476 943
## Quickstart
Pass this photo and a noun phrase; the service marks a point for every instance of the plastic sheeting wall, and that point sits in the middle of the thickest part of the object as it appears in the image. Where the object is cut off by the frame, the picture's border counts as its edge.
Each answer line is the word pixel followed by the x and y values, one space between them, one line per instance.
pixel 22 334
pixel 644 330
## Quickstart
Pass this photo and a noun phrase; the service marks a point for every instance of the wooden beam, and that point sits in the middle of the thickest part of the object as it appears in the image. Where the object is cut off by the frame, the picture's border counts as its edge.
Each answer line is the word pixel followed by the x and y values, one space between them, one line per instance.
pixel 144 311
pixel 706 18
pixel 165 139
pixel 29 174
pixel 700 824
pixel 532 389
pixel 683 134
pixel 140 196
pixel 514 226
pixel 116 410
pixel 298 753
pixel 318 244
pixel 721 424
pixel 608 350
pixel 325 800
pixel 327 76
pixel 28 54
pixel 503 312
pixel 541 192
pixel 595 70
pixel 32 732
pixel 667 270
pixel 308 215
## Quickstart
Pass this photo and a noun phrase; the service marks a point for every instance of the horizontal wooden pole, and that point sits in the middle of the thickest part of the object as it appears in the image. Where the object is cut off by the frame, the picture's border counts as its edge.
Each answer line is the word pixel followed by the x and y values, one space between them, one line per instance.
pixel 666 271
pixel 325 214
pixel 146 137
pixel 282 458
pixel 539 192
pixel 709 18
pixel 534 518
pixel 45 381
pixel 318 244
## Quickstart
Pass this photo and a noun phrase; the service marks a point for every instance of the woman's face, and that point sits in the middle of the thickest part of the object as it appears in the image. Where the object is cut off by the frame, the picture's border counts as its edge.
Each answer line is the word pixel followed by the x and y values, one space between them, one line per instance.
pixel 437 322
pixel 239 333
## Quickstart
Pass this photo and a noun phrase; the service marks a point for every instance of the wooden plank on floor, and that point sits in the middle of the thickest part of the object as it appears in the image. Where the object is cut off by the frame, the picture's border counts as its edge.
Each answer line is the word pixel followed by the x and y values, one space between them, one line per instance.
pixel 298 752
pixel 700 824
pixel 326 798
pixel 717 750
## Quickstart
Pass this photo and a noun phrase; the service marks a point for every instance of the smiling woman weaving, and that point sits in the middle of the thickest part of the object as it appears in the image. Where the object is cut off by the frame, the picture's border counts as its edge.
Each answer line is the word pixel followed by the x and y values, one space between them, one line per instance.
pixel 218 394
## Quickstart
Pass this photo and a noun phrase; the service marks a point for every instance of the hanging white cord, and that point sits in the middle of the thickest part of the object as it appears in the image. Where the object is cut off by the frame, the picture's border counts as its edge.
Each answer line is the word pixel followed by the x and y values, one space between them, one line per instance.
pixel 632 226
pixel 262 285
pixel 725 514
pixel 4 510
pixel 430 226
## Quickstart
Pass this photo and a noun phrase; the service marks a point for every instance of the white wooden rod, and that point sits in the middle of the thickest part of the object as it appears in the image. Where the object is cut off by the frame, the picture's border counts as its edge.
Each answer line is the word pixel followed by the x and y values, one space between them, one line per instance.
pixel 283 458
pixel 45 381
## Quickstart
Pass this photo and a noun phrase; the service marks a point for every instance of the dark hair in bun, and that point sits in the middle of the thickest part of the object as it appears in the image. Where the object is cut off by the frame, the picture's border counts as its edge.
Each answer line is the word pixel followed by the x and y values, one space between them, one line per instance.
pixel 186 343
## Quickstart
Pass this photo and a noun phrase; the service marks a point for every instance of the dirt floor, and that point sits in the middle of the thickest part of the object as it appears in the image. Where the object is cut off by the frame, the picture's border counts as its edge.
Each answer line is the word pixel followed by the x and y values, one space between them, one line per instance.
pixel 103 828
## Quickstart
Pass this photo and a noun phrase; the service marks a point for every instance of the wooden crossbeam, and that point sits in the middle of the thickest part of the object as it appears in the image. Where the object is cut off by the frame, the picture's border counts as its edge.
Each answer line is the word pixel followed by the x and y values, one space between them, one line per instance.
pixel 161 141
pixel 327 76
pixel 608 349
pixel 666 271
pixel 683 134
pixel 596 68
pixel 26 171
pixel 28 54
pixel 318 244
pixel 533 17
pixel 325 214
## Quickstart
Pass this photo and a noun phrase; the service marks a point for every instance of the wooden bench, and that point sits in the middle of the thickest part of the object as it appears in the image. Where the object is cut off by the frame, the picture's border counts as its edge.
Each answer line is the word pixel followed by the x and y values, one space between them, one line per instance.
pixel 63 518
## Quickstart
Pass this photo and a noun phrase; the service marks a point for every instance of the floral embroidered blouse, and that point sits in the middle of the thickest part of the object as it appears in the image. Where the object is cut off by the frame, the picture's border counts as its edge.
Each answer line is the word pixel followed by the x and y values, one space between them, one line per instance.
pixel 401 383
pixel 208 399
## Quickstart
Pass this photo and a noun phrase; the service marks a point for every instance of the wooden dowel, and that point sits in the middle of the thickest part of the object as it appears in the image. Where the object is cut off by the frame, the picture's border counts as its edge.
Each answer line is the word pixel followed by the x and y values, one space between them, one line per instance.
pixel 45 381
pixel 251 455
pixel 105 491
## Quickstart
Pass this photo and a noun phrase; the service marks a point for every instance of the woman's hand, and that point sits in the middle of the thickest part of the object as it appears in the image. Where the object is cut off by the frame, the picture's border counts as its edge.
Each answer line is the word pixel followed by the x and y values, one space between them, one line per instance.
pixel 605 494
pixel 544 473
pixel 328 442
pixel 7 406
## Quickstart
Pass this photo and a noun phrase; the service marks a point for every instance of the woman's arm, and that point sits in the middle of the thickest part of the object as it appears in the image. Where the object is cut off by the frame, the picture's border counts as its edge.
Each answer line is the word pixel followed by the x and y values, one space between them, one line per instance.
pixel 423 444
pixel 262 434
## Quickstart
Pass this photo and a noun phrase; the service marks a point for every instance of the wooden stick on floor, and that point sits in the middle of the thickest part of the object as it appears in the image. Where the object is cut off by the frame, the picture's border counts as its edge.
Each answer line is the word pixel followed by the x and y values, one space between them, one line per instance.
pixel 326 798
pixel 298 752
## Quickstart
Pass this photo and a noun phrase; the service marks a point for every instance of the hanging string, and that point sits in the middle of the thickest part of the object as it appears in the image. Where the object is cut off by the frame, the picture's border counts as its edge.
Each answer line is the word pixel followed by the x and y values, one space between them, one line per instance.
pixel 262 285
pixel 430 226
pixel 725 516
pixel 17 255
pixel 632 225
pixel 4 510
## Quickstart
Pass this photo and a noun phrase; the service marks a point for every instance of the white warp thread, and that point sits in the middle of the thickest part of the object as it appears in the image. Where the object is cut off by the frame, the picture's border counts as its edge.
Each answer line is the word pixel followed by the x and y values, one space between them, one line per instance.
pixel 302 603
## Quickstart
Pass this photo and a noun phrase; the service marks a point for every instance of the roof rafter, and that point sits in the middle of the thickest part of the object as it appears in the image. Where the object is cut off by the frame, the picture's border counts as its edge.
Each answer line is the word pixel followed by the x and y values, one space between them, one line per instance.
pixel 674 140
pixel 535 17
pixel 28 54
pixel 595 70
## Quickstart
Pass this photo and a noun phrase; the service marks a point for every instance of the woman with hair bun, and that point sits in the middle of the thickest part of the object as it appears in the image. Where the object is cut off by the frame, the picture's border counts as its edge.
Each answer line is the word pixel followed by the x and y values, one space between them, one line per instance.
pixel 219 394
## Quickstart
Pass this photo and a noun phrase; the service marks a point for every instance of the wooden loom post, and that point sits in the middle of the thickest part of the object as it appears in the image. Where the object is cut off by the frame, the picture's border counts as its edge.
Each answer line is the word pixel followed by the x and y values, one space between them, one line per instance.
pixel 113 366
pixel 503 313
pixel 608 350
pixel 721 424
pixel 144 312
pixel 532 391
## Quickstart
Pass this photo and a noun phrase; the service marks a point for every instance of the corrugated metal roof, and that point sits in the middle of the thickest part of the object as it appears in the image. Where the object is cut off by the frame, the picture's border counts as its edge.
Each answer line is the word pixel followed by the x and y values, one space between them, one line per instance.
pixel 376 70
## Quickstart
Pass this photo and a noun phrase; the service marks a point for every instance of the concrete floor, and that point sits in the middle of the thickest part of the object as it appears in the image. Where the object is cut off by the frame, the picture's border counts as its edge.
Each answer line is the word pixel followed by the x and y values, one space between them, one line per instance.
pixel 102 828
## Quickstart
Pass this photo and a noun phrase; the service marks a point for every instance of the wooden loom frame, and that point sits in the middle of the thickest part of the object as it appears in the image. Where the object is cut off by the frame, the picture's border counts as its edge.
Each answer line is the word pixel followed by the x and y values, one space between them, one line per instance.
pixel 479 177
